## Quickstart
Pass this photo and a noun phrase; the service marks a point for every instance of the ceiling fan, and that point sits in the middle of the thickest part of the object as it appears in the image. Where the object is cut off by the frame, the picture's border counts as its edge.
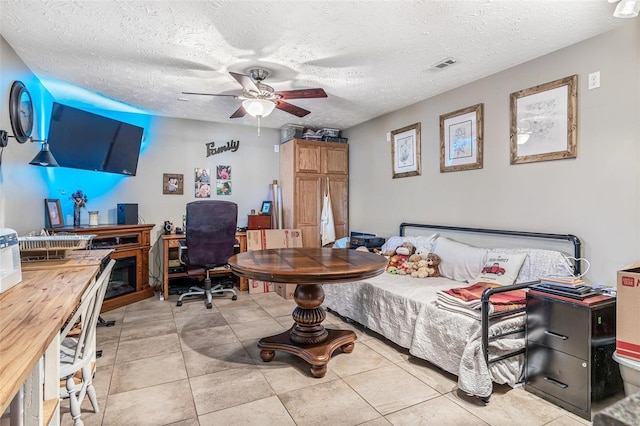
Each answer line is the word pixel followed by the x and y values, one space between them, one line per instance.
pixel 259 99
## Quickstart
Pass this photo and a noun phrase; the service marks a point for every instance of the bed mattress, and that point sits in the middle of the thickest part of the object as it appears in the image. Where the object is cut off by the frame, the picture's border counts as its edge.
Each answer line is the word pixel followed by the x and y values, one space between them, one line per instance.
pixel 404 310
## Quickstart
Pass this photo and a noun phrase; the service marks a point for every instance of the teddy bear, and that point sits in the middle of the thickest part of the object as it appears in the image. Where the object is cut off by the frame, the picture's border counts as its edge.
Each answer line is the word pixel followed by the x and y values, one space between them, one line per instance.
pixel 433 261
pixel 423 252
pixel 427 267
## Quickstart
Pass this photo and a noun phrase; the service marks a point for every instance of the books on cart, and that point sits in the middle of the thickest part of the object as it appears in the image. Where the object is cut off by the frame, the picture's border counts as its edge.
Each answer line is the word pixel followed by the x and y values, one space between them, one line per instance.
pixel 562 281
pixel 571 287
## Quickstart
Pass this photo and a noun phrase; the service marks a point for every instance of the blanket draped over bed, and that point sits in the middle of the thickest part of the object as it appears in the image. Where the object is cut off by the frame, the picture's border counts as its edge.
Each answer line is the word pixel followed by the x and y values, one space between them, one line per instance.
pixel 410 312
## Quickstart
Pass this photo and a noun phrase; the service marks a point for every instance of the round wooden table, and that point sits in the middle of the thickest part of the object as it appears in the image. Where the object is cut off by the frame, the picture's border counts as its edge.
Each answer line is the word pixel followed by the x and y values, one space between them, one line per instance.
pixel 309 268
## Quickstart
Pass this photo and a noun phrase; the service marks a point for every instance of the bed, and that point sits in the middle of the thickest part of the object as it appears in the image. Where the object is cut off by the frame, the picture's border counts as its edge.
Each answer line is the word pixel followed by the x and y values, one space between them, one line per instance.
pixel 476 341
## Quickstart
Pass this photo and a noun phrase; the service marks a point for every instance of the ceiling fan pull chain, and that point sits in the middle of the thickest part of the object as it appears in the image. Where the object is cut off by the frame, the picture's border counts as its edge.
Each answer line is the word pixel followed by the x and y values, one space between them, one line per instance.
pixel 258 126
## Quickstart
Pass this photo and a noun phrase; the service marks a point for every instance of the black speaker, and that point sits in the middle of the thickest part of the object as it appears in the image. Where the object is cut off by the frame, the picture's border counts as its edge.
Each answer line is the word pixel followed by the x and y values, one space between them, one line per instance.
pixel 127 214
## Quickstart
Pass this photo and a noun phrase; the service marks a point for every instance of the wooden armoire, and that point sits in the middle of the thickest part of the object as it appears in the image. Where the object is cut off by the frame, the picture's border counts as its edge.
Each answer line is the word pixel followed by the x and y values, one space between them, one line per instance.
pixel 306 168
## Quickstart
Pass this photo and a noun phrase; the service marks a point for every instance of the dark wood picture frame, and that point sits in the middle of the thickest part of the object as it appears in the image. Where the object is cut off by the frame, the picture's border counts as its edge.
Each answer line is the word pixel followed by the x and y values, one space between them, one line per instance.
pixel 172 184
pixel 406 159
pixel 544 122
pixel 461 139
pixel 53 217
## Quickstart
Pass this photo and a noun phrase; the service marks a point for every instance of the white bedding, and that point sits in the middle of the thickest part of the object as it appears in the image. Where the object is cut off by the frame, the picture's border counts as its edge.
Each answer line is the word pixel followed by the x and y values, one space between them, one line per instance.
pixel 403 309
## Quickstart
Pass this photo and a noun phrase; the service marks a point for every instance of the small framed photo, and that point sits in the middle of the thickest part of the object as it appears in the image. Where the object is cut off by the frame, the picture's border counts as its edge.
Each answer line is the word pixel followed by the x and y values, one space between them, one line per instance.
pixel 544 122
pixel 266 207
pixel 461 139
pixel 405 151
pixel 172 183
pixel 53 213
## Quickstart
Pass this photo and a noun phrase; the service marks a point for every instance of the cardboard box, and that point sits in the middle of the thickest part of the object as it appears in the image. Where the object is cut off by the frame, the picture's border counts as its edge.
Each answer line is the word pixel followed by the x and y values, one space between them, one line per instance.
pixel 628 300
pixel 263 239
pixel 256 286
pixel 286 290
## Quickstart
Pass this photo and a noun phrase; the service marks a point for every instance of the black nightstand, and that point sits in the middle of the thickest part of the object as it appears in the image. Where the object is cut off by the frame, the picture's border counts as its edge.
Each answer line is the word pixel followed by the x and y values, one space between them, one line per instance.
pixel 569 351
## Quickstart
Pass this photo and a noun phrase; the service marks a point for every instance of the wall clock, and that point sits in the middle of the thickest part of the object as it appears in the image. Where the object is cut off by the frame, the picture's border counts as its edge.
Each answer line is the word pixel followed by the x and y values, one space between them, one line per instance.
pixel 20 111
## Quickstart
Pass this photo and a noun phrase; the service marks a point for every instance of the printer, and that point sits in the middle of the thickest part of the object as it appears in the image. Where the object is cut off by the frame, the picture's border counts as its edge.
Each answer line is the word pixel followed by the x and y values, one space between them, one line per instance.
pixel 10 268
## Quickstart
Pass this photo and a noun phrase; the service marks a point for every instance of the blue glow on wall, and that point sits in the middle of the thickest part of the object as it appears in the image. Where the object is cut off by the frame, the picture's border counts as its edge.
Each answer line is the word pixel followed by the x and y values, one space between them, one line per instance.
pixel 62 181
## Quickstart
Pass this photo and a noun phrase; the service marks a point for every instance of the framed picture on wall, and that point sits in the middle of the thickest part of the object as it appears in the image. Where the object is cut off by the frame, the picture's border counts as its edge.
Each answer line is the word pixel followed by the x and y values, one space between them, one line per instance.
pixel 172 183
pixel 544 122
pixel 405 151
pixel 461 139
pixel 53 213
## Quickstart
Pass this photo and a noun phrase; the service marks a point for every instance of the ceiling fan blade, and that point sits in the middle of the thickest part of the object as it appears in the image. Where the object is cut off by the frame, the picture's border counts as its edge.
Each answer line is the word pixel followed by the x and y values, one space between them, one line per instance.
pixel 302 93
pixel 291 109
pixel 209 94
pixel 245 81
pixel 240 112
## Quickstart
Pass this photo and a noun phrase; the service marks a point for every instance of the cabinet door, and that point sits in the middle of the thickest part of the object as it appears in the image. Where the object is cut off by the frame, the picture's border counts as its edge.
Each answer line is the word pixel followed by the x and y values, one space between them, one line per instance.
pixel 308 202
pixel 339 190
pixel 335 160
pixel 307 158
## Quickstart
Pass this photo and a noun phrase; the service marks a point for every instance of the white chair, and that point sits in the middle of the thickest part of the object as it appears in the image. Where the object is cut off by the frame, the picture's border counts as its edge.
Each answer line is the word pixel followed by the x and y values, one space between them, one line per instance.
pixel 78 347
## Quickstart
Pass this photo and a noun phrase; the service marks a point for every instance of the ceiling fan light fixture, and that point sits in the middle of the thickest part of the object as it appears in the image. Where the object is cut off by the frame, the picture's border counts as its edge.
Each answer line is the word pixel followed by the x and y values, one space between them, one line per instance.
pixel 258 107
pixel 627 9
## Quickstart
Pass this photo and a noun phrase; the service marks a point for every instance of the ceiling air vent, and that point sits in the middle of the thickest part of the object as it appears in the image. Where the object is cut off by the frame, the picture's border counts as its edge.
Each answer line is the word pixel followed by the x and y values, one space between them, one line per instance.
pixel 445 63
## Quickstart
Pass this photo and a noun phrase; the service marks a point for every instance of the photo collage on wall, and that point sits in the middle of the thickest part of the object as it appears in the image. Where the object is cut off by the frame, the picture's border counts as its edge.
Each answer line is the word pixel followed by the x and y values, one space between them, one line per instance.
pixel 223 180
pixel 202 183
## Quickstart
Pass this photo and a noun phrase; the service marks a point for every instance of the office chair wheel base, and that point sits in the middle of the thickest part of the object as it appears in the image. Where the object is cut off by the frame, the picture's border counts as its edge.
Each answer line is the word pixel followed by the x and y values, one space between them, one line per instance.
pixel 208 305
pixel 179 303
pixel 234 297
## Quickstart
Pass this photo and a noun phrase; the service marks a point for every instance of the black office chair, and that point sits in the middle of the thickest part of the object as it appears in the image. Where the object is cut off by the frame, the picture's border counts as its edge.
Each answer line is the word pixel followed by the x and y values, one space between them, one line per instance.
pixel 210 241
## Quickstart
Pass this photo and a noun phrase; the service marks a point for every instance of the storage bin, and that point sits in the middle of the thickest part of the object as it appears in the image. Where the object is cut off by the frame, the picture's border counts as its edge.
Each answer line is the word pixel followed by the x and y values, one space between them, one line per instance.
pixel 290 131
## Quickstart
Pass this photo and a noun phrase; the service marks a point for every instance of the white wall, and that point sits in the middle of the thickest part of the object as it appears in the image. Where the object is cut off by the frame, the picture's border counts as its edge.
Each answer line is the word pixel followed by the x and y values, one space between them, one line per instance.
pixel 595 196
pixel 169 146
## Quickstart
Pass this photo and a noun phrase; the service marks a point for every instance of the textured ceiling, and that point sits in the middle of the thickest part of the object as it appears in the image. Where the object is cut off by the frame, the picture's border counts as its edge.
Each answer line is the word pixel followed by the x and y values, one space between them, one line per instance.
pixel 371 57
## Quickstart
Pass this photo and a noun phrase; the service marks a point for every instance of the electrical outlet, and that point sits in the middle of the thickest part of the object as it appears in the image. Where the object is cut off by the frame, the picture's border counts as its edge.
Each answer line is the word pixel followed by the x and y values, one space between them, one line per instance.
pixel 594 80
pixel 276 148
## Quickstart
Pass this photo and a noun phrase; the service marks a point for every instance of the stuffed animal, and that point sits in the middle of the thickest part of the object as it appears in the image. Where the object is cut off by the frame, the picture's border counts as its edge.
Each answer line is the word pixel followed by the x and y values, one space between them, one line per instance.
pixel 433 260
pixel 415 258
pixel 395 262
pixel 426 268
pixel 423 252
pixel 405 249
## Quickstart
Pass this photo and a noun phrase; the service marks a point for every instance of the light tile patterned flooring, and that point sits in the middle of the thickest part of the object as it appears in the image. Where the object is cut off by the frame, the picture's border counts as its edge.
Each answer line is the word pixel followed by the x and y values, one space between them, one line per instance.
pixel 187 366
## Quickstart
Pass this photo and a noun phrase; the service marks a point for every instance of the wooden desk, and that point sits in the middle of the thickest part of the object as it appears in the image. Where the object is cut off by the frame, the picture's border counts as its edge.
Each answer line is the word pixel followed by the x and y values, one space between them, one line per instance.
pixel 310 268
pixel 75 258
pixel 170 244
pixel 32 314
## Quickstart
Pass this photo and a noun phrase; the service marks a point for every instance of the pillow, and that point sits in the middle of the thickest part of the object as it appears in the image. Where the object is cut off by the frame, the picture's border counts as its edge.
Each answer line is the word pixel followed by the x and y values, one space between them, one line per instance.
pixel 418 241
pixel 501 268
pixel 540 263
pixel 460 262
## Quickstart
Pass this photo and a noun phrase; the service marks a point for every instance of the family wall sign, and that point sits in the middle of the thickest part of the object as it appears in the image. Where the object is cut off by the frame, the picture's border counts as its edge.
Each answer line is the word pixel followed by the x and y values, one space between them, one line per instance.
pixel 229 146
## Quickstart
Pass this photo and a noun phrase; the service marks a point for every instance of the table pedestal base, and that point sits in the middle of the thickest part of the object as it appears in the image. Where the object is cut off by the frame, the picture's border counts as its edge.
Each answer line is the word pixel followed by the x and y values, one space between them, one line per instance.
pixel 317 355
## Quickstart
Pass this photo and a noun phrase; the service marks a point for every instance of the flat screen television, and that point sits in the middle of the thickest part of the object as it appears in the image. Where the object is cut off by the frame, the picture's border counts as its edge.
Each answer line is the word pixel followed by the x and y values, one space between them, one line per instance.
pixel 83 140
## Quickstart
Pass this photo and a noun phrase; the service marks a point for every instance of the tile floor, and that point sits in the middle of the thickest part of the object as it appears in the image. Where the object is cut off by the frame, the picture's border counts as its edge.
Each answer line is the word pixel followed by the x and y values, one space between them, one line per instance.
pixel 168 365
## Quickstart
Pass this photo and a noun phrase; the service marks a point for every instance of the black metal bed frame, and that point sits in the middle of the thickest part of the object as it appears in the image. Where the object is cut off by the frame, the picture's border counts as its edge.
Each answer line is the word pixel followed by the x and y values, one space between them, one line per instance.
pixel 486 317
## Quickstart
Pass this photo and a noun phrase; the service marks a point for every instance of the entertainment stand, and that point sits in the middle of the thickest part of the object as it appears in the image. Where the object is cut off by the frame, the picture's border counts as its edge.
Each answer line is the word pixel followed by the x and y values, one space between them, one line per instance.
pixel 129 281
